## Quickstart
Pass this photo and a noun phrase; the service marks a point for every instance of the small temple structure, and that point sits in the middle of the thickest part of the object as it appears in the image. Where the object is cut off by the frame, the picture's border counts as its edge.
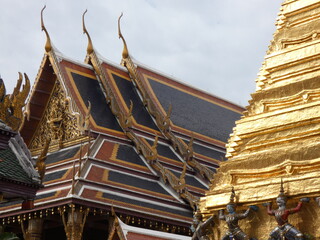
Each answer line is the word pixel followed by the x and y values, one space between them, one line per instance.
pixel 18 178
pixel 122 151
pixel 273 153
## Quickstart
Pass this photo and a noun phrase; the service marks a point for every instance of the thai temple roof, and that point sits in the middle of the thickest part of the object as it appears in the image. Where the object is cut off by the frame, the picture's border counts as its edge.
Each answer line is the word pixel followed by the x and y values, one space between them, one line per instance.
pixel 123 136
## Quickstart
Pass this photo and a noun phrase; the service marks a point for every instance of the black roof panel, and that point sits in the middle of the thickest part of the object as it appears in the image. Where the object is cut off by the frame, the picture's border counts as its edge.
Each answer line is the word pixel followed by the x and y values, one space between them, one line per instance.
pixel 62 155
pixel 196 114
pixel 128 93
pixel 90 90
pixel 137 182
pixel 128 154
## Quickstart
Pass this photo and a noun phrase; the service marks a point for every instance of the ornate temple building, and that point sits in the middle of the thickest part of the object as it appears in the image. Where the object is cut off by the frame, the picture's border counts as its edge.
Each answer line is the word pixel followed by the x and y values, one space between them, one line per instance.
pixel 122 151
pixel 274 150
pixel 18 178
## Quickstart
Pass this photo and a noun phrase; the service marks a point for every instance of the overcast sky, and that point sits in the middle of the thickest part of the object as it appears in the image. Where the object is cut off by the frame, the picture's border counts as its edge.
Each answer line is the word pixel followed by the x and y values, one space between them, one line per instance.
pixel 214 45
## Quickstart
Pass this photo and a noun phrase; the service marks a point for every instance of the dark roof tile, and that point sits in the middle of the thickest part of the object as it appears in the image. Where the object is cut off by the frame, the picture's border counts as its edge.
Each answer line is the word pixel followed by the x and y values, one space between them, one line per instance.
pixel 137 182
pixel 194 113
pixel 62 155
pixel 90 90
pixel 11 169
pixel 128 93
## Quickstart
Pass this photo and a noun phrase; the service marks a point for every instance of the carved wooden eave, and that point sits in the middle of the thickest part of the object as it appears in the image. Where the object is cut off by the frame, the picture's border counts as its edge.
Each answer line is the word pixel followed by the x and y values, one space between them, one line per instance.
pixel 49 98
pixel 125 120
pixel 162 120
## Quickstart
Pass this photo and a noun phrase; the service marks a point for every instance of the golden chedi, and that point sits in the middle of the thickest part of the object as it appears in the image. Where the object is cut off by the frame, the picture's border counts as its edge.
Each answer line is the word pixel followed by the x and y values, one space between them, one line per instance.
pixel 278 136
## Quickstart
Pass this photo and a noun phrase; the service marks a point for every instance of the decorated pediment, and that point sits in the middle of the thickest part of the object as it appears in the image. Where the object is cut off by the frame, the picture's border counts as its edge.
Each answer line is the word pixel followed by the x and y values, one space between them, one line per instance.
pixel 59 123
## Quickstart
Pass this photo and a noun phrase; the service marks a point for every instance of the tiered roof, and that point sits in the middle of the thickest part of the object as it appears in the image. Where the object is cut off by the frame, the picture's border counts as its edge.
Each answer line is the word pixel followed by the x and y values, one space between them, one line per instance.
pixel 124 136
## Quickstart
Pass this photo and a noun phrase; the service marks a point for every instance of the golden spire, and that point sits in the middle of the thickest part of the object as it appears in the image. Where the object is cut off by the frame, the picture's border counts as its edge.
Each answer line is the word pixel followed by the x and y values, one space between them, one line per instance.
pixel 48 46
pixel 125 52
pixel 90 46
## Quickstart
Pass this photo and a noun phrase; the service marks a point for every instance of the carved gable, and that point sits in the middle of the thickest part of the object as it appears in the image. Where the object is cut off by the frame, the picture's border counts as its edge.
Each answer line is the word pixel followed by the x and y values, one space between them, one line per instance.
pixel 58 122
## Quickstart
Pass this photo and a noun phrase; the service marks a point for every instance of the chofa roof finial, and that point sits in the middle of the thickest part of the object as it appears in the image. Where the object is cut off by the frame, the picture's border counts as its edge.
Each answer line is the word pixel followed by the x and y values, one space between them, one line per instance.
pixel 48 46
pixel 125 52
pixel 90 46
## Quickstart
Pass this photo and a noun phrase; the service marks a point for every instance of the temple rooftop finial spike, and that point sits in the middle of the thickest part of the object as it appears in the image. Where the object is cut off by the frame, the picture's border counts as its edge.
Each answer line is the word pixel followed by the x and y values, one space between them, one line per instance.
pixel 90 45
pixel 48 46
pixel 125 52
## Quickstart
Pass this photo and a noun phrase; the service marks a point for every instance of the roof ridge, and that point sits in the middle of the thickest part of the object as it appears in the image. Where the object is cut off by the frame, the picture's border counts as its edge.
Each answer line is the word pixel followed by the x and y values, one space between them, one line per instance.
pixel 163 121
pixel 180 81
pixel 125 121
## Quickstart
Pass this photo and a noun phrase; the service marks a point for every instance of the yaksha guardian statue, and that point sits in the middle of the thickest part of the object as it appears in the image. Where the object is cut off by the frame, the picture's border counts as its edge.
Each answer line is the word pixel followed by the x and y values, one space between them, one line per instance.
pixel 284 230
pixel 201 229
pixel 232 218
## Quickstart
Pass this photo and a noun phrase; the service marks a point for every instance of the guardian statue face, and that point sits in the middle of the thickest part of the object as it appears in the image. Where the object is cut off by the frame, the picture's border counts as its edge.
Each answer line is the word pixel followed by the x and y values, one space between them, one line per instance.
pixel 231 208
pixel 281 202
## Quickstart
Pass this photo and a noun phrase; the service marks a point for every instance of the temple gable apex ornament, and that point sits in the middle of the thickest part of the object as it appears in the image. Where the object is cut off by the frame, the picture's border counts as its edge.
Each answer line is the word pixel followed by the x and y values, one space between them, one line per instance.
pixel 90 45
pixel 125 52
pixel 48 46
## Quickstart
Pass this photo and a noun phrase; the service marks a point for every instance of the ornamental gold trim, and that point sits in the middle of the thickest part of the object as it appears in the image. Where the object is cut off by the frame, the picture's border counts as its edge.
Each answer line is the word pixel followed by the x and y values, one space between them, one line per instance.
pixel 162 119
pixel 125 119
pixel 12 105
pixel 57 123
pixel 286 168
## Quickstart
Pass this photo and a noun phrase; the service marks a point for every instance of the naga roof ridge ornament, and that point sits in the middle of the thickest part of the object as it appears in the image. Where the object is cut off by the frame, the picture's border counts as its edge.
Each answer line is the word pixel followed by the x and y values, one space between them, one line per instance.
pixel 162 119
pixel 125 52
pixel 48 46
pixel 41 160
pixel 182 177
pixel 90 45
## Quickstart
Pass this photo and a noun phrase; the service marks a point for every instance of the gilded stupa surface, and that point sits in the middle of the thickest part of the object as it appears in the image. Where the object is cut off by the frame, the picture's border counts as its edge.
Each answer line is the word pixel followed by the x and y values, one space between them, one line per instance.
pixel 278 136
